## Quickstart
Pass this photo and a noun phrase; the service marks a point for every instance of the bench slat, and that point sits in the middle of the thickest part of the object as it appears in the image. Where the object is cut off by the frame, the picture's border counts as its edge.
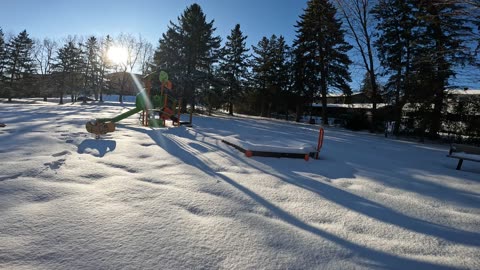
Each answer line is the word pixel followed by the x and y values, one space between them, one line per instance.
pixel 464 158
pixel 464 152
pixel 465 148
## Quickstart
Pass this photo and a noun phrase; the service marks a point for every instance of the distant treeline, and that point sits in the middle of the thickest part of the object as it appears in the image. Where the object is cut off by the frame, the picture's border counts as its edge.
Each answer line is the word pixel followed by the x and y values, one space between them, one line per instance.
pixel 413 46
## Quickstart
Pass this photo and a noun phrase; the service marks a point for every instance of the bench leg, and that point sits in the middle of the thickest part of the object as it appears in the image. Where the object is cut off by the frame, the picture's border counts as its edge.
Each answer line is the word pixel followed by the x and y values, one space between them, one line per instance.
pixel 459 166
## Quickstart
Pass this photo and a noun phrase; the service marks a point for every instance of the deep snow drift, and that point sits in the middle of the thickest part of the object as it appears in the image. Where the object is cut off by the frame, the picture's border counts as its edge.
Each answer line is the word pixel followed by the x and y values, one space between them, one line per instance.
pixel 179 198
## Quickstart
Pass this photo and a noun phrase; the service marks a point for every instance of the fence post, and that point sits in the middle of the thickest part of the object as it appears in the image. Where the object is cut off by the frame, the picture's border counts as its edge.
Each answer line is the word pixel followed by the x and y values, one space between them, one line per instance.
pixel 320 141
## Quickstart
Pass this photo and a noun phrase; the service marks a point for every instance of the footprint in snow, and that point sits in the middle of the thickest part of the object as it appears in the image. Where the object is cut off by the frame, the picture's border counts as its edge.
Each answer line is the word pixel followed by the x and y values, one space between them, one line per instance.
pixel 63 153
pixel 55 165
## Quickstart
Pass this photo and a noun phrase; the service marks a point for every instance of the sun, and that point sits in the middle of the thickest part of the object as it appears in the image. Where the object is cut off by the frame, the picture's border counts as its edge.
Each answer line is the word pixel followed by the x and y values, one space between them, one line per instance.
pixel 118 55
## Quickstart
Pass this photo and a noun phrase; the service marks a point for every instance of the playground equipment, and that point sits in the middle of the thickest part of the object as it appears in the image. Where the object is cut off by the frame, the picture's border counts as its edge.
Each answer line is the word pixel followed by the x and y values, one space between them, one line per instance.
pixel 149 102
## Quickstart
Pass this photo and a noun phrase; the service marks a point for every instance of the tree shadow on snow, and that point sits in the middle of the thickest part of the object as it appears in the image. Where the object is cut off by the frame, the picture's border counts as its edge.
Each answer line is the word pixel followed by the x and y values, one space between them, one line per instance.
pixel 376 258
pixel 378 211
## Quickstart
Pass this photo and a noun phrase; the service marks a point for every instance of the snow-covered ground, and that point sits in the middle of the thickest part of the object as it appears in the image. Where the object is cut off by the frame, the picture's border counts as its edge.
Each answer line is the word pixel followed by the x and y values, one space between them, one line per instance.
pixel 179 198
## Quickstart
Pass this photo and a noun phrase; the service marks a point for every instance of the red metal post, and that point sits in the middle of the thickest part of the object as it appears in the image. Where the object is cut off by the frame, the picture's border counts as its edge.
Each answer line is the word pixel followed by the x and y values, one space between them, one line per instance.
pixel 320 142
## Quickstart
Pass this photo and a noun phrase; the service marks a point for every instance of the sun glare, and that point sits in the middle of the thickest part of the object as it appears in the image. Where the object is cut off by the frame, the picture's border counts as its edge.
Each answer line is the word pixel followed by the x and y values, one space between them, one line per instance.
pixel 118 55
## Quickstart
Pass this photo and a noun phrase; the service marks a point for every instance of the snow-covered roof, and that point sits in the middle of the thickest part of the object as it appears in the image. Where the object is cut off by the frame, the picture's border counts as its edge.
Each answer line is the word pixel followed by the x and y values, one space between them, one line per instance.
pixel 353 105
pixel 343 95
pixel 464 92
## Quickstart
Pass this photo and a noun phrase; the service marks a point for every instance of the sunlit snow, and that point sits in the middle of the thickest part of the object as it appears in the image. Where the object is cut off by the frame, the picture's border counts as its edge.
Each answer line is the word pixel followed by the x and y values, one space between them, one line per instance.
pixel 180 198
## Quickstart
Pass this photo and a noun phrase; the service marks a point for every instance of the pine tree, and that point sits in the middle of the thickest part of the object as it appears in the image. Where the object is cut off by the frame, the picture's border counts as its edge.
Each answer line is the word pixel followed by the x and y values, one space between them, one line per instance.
pixel 168 54
pixel 64 66
pixel 281 76
pixel 395 46
pixel 79 67
pixel 91 66
pixel 213 96
pixel 373 94
pixel 188 51
pixel 321 52
pixel 270 72
pixel 69 64
pixel 234 65
pixel 2 55
pixel 104 65
pixel 419 45
pixel 261 67
pixel 19 64
pixel 444 35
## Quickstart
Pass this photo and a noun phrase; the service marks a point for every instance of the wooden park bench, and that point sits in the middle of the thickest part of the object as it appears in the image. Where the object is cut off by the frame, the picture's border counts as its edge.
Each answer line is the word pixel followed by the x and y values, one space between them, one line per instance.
pixel 464 152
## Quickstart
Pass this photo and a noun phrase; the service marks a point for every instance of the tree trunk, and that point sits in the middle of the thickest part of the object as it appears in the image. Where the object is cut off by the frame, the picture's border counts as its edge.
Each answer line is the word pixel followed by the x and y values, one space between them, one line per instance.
pixel 436 123
pixel 184 106
pixel 398 118
pixel 262 106
pixel 61 98
pixel 230 108
pixel 192 108
pixel 374 100
pixel 298 110
pixel 323 82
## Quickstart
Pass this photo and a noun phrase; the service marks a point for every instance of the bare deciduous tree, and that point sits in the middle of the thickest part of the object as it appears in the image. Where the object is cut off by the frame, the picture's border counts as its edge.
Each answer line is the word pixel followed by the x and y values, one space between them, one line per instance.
pixel 45 56
pixel 133 48
pixel 146 55
pixel 356 14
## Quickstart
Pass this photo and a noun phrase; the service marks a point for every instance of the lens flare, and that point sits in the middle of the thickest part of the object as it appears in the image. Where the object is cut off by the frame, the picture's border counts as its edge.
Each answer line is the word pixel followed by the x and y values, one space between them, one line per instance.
pixel 118 55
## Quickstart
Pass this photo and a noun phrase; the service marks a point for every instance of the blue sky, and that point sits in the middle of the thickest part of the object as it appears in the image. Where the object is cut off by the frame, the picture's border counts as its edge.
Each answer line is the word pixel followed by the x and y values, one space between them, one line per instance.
pixel 59 18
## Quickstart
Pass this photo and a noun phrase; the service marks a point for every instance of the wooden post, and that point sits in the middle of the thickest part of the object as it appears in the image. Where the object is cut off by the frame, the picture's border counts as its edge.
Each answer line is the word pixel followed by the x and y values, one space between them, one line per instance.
pixel 460 162
pixel 179 111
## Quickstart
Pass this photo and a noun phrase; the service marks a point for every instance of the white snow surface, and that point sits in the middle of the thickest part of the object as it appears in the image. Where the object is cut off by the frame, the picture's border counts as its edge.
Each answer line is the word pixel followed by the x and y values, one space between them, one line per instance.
pixel 270 143
pixel 179 198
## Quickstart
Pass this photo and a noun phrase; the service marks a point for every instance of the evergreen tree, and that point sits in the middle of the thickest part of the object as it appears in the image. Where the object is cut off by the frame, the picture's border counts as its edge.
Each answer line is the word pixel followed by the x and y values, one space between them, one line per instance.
pixel 188 51
pixel 91 60
pixel 395 46
pixel 270 73
pixel 2 55
pixel 281 76
pixel 373 94
pixel 79 68
pixel 19 64
pixel 321 52
pixel 261 67
pixel 68 64
pixel 64 66
pixel 168 54
pixel 420 43
pixel 234 65
pixel 104 65
pixel 443 41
